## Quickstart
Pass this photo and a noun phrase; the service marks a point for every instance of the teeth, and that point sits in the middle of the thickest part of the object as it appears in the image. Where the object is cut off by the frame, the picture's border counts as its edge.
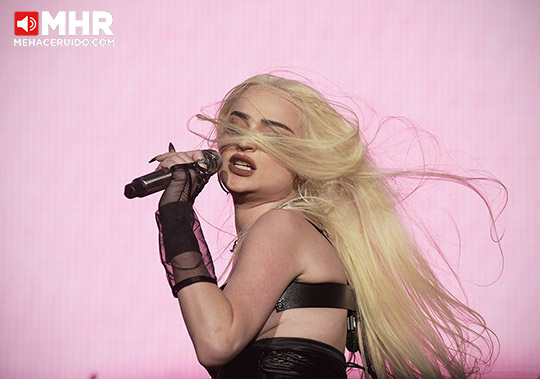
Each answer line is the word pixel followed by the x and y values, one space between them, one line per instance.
pixel 242 165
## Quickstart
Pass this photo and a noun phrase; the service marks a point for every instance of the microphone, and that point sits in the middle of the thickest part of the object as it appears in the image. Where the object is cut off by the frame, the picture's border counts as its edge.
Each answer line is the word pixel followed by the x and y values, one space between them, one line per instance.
pixel 159 180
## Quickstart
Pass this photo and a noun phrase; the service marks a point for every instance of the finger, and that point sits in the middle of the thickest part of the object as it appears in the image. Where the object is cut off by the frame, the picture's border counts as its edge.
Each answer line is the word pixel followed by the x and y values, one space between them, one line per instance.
pixel 178 157
pixel 157 157
pixel 161 157
pixel 174 160
pixel 198 156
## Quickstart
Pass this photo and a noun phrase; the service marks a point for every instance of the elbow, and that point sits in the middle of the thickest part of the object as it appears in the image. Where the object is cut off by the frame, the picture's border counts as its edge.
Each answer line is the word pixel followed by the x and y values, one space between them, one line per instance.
pixel 215 352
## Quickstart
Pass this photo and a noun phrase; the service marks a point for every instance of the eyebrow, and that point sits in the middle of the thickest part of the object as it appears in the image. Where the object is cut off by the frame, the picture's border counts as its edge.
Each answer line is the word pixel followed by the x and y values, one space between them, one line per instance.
pixel 247 117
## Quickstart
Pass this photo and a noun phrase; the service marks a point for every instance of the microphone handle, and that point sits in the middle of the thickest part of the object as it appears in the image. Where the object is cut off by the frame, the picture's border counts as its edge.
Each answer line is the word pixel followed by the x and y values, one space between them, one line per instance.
pixel 148 184
pixel 159 180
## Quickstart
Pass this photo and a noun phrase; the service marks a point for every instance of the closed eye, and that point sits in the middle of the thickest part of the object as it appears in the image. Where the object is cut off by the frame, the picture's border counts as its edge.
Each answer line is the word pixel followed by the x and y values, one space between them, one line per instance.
pixel 277 125
pixel 245 117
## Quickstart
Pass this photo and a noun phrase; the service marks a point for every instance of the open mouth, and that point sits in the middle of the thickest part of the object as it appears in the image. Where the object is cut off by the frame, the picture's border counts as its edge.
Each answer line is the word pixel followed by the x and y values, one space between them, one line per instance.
pixel 242 165
pixel 242 162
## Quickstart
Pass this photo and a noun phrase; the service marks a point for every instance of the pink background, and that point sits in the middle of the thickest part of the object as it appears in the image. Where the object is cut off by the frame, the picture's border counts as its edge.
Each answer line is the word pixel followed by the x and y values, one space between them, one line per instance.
pixel 81 288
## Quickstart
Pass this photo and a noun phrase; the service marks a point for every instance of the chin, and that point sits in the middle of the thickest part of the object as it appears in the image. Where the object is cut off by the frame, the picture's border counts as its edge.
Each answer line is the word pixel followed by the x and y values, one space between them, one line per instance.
pixel 237 188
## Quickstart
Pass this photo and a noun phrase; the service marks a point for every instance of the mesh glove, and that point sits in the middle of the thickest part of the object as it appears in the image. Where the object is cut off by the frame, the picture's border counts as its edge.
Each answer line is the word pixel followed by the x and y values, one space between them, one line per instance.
pixel 183 249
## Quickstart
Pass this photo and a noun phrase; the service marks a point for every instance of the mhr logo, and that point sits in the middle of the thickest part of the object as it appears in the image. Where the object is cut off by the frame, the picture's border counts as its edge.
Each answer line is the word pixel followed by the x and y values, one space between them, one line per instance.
pixel 27 23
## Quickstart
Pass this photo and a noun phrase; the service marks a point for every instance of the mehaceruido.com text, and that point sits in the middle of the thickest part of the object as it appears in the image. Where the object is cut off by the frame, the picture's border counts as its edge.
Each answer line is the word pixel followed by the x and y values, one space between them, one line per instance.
pixel 63 42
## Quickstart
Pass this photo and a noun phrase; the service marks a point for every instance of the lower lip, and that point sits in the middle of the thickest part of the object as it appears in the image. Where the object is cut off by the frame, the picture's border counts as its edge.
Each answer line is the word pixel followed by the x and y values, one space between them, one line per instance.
pixel 238 171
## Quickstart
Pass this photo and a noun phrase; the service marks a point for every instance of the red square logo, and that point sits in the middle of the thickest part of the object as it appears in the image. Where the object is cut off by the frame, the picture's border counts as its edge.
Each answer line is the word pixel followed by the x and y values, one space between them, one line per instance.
pixel 26 23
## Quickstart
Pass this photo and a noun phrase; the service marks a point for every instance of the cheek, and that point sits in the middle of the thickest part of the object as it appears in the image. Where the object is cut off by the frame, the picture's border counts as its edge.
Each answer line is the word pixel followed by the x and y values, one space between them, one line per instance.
pixel 279 173
pixel 224 151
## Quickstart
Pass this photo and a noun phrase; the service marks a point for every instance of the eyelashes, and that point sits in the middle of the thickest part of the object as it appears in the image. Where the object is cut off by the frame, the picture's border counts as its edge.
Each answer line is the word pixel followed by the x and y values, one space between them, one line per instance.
pixel 232 135
pixel 237 130
pixel 231 131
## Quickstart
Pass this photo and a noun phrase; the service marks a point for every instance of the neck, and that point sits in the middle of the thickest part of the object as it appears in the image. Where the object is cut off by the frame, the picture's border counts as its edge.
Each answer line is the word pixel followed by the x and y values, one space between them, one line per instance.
pixel 246 213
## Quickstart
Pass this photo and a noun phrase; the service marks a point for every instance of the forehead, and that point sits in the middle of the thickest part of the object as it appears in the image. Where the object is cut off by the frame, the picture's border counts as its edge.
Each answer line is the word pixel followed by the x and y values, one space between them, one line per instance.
pixel 260 102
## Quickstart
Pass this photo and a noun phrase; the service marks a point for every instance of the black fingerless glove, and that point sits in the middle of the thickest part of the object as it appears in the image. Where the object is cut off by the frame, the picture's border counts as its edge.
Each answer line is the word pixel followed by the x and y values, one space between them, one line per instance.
pixel 183 249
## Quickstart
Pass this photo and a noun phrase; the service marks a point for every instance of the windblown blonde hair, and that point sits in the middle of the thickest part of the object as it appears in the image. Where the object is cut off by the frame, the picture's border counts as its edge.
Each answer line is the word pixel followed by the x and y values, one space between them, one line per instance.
pixel 410 324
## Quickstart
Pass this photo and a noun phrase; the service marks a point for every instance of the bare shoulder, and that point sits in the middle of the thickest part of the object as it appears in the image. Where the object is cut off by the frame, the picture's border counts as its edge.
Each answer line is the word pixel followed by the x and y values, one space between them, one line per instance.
pixel 281 218
pixel 289 230
pixel 284 239
pixel 278 228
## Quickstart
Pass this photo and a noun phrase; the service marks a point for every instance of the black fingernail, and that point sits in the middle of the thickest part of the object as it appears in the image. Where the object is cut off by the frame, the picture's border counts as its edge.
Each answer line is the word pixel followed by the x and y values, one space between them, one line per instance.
pixel 153 159
pixel 171 148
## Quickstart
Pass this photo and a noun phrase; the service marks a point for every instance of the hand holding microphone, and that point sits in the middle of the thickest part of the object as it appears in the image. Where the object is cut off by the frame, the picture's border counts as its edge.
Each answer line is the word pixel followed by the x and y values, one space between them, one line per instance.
pixel 205 163
pixel 183 249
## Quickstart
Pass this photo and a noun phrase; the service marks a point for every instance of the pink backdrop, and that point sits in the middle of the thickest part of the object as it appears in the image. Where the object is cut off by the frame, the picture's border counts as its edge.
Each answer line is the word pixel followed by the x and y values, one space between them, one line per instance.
pixel 81 287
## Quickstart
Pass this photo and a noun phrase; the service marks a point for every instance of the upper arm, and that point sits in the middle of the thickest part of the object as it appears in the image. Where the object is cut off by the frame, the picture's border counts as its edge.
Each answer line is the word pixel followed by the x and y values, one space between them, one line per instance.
pixel 269 259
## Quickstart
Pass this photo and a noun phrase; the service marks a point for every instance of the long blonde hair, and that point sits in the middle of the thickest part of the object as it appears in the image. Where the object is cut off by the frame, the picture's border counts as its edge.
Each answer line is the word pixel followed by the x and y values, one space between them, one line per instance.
pixel 410 324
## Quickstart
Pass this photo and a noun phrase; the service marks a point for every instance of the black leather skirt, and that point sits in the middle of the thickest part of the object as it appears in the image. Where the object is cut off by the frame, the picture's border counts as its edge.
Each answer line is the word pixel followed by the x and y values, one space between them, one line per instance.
pixel 285 358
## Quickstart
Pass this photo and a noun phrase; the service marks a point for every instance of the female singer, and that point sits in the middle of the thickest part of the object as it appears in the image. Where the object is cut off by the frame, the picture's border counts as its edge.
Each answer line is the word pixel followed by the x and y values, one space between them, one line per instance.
pixel 319 239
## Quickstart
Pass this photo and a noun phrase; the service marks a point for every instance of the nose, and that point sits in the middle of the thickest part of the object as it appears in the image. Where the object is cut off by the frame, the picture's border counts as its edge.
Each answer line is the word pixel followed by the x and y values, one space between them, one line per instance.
pixel 245 146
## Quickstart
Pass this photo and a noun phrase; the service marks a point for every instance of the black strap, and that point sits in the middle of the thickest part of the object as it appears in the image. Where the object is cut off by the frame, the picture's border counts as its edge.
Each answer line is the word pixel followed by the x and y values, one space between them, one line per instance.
pixel 319 230
pixel 318 295
pixel 194 279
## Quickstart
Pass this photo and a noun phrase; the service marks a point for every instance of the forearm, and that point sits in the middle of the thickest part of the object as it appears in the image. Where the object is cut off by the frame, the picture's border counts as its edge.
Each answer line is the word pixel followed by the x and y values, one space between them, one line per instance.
pixel 210 321
pixel 207 312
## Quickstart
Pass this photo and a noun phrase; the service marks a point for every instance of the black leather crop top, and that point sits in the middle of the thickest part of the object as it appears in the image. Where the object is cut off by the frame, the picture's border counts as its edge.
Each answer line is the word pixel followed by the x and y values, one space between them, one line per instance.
pixel 318 295
pixel 315 295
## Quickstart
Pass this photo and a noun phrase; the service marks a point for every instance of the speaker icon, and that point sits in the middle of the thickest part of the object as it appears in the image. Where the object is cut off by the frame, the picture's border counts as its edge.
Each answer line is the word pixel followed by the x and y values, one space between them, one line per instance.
pixel 26 23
